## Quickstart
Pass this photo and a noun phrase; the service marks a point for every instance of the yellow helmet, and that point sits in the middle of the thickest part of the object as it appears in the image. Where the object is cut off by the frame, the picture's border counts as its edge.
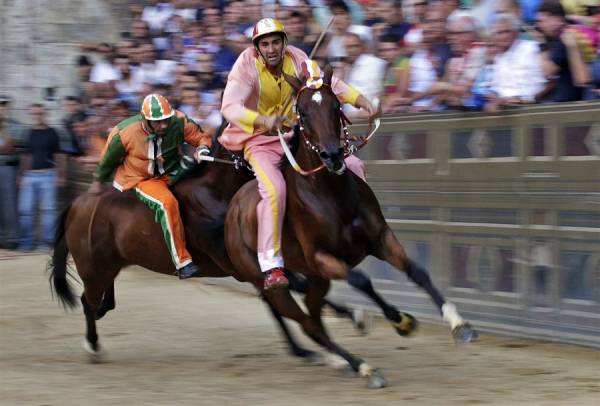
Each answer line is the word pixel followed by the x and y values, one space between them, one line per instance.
pixel 267 26
pixel 156 107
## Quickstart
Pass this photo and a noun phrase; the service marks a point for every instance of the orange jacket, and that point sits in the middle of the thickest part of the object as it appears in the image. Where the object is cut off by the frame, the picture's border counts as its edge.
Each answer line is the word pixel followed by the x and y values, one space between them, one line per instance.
pixel 137 155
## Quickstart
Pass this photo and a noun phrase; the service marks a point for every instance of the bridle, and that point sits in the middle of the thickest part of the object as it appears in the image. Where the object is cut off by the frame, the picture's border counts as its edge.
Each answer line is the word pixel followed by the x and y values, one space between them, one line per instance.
pixel 347 139
pixel 344 121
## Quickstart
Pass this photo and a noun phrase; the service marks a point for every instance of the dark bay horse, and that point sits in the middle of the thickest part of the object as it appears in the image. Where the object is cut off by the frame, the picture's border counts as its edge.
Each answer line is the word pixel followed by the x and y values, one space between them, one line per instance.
pixel 107 232
pixel 332 222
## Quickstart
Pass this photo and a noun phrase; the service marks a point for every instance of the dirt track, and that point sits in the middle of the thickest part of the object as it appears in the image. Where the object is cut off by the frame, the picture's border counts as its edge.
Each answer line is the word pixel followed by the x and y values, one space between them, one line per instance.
pixel 173 343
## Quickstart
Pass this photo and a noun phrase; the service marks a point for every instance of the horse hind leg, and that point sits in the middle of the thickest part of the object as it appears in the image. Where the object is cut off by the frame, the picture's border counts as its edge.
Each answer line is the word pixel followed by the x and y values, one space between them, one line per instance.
pixel 90 344
pixel 108 302
pixel 359 320
pixel 96 300
pixel 393 252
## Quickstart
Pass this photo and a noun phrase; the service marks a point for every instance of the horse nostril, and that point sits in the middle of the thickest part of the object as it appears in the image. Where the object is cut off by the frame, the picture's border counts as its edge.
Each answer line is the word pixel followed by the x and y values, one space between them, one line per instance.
pixel 324 155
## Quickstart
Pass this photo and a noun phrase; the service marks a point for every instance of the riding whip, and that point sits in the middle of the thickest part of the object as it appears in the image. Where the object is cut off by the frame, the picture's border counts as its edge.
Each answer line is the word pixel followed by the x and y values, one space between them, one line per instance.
pixel 316 46
pixel 213 159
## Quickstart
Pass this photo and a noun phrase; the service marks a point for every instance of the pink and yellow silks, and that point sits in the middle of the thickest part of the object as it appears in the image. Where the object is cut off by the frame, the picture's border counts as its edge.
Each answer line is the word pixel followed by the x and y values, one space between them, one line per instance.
pixel 252 91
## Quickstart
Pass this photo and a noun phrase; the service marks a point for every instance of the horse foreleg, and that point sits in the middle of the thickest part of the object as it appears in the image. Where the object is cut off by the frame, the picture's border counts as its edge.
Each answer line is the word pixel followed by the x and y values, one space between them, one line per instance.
pixel 295 348
pixel 318 288
pixel 404 323
pixel 393 252
pixel 300 285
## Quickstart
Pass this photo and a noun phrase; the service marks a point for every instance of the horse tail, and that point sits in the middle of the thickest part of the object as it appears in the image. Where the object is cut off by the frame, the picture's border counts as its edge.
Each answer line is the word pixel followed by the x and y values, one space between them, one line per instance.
pixel 58 264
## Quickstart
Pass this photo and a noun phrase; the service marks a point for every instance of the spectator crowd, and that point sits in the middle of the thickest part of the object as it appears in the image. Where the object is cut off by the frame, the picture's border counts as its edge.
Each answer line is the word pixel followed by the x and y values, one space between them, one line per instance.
pixel 409 56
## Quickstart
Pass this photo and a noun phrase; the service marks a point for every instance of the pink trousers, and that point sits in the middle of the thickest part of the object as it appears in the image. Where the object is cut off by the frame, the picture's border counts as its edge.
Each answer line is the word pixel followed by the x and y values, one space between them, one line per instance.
pixel 265 156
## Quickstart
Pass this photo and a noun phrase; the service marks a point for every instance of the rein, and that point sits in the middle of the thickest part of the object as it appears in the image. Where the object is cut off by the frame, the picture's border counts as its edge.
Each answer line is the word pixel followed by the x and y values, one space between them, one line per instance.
pixel 349 149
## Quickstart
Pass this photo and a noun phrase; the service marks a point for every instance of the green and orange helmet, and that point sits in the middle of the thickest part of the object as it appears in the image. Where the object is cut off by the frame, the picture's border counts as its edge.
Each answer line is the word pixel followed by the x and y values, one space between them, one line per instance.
pixel 267 26
pixel 156 107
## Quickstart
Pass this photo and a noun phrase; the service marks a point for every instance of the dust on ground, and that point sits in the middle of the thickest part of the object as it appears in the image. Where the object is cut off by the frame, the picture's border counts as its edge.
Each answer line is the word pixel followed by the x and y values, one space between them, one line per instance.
pixel 172 342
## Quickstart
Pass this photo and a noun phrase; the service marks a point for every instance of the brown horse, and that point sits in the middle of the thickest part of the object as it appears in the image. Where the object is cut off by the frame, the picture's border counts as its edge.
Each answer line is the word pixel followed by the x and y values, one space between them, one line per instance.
pixel 107 232
pixel 332 222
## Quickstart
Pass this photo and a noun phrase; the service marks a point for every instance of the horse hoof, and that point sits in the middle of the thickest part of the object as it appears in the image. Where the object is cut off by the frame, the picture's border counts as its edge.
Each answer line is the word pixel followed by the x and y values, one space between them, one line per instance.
pixel 95 353
pixel 407 325
pixel 464 334
pixel 363 322
pixel 376 380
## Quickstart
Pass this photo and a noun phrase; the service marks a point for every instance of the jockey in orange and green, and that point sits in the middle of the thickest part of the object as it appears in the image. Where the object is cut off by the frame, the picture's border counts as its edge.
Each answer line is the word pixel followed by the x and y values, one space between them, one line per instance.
pixel 145 151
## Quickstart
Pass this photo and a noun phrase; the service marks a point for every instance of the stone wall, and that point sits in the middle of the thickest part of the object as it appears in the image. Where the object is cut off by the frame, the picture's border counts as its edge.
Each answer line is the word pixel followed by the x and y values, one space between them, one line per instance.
pixel 39 45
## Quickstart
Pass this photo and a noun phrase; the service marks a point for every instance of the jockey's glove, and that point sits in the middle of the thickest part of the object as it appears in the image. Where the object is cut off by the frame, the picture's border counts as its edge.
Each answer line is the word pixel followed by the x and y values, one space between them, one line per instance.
pixel 202 150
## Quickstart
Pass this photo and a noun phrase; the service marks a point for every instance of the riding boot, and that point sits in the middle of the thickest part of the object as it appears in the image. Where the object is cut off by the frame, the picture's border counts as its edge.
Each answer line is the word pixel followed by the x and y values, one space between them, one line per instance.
pixel 188 271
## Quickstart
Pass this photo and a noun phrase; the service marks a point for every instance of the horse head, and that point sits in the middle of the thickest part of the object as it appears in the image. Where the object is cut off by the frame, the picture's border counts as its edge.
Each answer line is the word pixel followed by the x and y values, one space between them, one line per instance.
pixel 319 114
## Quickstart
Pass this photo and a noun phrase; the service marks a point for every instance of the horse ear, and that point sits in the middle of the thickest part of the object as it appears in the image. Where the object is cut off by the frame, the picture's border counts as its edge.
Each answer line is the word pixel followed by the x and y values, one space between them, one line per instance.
pixel 293 81
pixel 328 74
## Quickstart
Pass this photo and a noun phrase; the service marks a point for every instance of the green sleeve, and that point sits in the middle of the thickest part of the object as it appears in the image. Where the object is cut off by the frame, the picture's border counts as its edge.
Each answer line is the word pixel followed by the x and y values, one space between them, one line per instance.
pixel 113 156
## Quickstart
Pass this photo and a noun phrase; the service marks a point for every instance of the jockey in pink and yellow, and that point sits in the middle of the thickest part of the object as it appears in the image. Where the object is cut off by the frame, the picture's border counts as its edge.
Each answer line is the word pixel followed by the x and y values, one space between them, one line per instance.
pixel 256 102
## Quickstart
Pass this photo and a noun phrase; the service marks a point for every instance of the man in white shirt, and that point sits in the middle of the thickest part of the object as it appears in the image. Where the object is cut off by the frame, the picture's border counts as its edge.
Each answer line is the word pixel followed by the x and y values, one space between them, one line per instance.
pixel 157 14
pixel 517 75
pixel 341 26
pixel 363 71
pixel 104 70
pixel 426 64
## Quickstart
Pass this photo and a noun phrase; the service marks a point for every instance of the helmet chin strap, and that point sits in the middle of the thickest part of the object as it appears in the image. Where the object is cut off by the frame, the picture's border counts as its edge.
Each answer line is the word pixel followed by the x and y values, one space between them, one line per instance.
pixel 285 43
pixel 146 125
pixel 149 128
pixel 280 65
